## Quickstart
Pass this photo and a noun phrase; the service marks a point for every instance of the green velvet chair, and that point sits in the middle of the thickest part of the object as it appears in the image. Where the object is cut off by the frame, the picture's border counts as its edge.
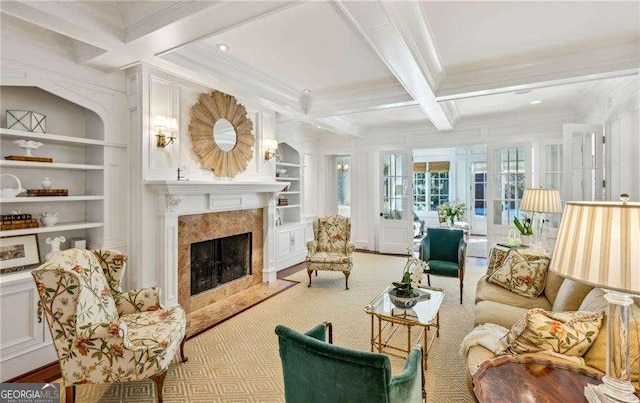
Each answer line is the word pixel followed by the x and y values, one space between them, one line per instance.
pixel 445 251
pixel 318 372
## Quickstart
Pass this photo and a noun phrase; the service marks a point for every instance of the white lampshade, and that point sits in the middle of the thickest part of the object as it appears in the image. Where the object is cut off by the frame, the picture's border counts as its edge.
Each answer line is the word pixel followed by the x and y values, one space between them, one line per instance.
pixel 599 244
pixel 270 144
pixel 539 200
pixel 160 121
pixel 172 124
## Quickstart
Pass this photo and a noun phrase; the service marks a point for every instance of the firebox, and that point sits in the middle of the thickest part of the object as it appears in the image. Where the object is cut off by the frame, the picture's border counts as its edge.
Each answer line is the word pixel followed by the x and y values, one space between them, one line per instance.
pixel 218 261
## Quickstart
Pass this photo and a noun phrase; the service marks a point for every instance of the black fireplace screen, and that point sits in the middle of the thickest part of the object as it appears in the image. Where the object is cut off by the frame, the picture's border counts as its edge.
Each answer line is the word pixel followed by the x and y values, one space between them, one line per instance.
pixel 219 261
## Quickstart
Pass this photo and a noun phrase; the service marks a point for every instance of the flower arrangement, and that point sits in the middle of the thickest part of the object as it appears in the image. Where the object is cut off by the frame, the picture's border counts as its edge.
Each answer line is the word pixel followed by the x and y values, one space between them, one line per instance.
pixel 452 211
pixel 412 275
pixel 525 226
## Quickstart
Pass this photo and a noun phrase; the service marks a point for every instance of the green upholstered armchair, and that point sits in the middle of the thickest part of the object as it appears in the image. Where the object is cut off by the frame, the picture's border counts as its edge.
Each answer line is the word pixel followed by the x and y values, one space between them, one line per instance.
pixel 317 372
pixel 445 251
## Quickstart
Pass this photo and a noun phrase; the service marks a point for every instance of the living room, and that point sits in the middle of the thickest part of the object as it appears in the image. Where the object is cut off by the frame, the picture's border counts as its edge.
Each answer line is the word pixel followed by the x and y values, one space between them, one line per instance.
pixel 530 88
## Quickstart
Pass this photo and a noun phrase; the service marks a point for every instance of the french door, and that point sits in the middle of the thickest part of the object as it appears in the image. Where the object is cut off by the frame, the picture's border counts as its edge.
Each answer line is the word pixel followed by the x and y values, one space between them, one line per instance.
pixel 510 172
pixel 396 194
pixel 478 209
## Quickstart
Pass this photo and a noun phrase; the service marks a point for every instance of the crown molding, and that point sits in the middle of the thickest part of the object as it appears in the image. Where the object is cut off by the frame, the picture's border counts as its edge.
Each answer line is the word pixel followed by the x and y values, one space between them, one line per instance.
pixel 532 71
pixel 201 58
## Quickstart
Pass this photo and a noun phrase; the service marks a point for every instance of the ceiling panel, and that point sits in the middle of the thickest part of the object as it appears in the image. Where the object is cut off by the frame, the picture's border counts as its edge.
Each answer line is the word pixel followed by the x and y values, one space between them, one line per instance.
pixel 306 46
pixel 470 32
pixel 565 96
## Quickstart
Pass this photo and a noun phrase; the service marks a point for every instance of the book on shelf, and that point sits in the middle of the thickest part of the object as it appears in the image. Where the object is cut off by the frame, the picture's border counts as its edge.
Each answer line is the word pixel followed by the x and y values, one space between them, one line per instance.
pixel 47 192
pixel 19 224
pixel 28 158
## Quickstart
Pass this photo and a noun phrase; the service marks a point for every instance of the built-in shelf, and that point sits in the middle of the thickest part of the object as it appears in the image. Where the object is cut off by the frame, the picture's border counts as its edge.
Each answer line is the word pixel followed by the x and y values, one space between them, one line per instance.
pixel 289 206
pixel 49 199
pixel 289 193
pixel 50 165
pixel 280 178
pixel 287 164
pixel 49 138
pixel 64 226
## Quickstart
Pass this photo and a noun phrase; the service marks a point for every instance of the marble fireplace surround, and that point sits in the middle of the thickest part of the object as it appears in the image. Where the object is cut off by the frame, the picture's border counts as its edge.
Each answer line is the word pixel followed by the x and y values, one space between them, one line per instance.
pixel 203 227
pixel 184 198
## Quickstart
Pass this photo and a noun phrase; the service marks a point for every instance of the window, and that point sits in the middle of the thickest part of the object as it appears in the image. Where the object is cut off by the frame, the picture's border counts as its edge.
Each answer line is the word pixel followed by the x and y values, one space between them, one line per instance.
pixel 438 189
pixel 509 184
pixel 419 191
pixel 430 186
pixel 343 180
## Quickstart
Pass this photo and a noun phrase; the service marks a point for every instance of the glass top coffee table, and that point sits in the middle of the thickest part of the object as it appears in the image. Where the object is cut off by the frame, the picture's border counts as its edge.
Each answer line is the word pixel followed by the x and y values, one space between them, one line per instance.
pixel 423 316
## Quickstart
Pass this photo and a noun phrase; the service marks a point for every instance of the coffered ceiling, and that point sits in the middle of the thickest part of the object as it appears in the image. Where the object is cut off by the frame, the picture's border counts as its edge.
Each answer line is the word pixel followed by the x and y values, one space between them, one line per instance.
pixel 365 63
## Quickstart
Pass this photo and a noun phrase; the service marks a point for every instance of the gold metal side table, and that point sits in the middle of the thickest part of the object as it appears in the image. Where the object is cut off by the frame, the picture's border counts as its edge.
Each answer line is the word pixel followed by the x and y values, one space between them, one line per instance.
pixel 424 315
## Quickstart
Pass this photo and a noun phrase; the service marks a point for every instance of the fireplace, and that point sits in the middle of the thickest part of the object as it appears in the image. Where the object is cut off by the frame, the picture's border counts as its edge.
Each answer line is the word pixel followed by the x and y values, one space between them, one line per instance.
pixel 227 249
pixel 218 261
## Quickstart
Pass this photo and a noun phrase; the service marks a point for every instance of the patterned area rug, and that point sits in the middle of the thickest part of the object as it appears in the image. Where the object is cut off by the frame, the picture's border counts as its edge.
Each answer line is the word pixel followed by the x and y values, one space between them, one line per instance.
pixel 237 361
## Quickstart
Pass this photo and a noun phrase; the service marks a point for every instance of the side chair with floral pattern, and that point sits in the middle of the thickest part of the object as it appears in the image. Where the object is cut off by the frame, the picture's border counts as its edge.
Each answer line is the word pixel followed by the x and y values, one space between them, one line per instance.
pixel 101 333
pixel 331 247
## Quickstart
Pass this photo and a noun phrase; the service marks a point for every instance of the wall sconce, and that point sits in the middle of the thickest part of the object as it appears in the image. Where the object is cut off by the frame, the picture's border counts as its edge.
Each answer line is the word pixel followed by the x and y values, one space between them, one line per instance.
pixel 164 124
pixel 343 168
pixel 270 148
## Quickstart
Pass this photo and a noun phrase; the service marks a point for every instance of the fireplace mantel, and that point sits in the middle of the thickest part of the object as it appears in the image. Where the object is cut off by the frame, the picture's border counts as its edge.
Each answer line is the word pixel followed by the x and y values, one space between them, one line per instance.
pixel 177 198
pixel 185 187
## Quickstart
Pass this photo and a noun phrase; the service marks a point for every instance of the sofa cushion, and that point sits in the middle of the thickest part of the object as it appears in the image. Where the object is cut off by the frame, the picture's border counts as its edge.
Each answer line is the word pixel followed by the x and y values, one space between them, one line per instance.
pixel 495 312
pixel 596 357
pixel 520 276
pixel 486 291
pixel 570 296
pixel 567 333
pixel 552 286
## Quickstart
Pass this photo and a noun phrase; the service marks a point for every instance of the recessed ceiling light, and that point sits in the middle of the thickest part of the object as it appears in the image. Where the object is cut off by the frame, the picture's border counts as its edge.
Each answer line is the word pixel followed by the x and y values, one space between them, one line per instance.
pixel 535 102
pixel 223 47
pixel 306 91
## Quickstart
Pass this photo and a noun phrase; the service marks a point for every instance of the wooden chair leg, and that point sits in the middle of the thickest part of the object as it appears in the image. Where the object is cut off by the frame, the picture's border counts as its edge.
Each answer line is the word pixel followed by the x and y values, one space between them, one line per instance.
pixel 70 394
pixel 158 379
pixel 316 273
pixel 346 278
pixel 461 291
pixel 182 356
pixel 428 280
pixel 309 272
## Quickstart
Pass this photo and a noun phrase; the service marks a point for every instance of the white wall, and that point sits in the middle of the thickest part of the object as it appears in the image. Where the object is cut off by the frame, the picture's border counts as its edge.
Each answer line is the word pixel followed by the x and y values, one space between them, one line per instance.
pixel 618 109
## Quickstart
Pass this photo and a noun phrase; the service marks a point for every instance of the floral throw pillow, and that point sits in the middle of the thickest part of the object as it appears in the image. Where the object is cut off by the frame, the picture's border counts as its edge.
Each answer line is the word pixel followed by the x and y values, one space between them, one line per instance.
pixel 567 333
pixel 521 276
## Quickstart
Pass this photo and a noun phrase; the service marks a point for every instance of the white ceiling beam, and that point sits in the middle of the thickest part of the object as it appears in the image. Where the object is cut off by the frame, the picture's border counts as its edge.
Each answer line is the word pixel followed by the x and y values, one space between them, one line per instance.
pixel 391 29
pixel 539 71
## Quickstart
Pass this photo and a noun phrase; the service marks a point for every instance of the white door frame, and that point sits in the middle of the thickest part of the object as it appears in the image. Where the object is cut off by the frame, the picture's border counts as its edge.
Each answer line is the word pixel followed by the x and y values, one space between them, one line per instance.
pixel 395 236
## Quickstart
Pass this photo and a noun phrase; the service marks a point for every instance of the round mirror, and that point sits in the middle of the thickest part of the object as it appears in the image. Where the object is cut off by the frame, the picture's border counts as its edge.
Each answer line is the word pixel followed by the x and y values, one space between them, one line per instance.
pixel 224 134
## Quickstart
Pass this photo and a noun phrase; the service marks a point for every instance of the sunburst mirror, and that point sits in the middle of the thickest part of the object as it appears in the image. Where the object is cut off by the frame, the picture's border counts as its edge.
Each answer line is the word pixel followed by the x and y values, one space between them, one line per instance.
pixel 221 133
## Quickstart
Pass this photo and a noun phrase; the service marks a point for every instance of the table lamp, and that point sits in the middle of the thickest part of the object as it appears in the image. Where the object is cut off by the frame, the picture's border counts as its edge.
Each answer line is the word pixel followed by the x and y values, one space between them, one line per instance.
pixel 541 201
pixel 598 244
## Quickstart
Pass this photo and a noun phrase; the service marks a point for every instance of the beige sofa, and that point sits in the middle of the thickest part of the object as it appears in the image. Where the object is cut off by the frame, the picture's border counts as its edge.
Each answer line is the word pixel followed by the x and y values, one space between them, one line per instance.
pixel 497 305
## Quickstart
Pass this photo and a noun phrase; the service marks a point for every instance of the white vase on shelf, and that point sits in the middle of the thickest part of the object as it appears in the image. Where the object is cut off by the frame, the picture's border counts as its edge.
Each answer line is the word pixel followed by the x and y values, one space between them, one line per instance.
pixel 55 245
pixel 46 183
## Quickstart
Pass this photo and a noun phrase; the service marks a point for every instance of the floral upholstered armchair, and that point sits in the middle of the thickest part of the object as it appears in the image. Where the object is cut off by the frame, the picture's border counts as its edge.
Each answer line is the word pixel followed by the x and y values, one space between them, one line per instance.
pixel 330 248
pixel 101 333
